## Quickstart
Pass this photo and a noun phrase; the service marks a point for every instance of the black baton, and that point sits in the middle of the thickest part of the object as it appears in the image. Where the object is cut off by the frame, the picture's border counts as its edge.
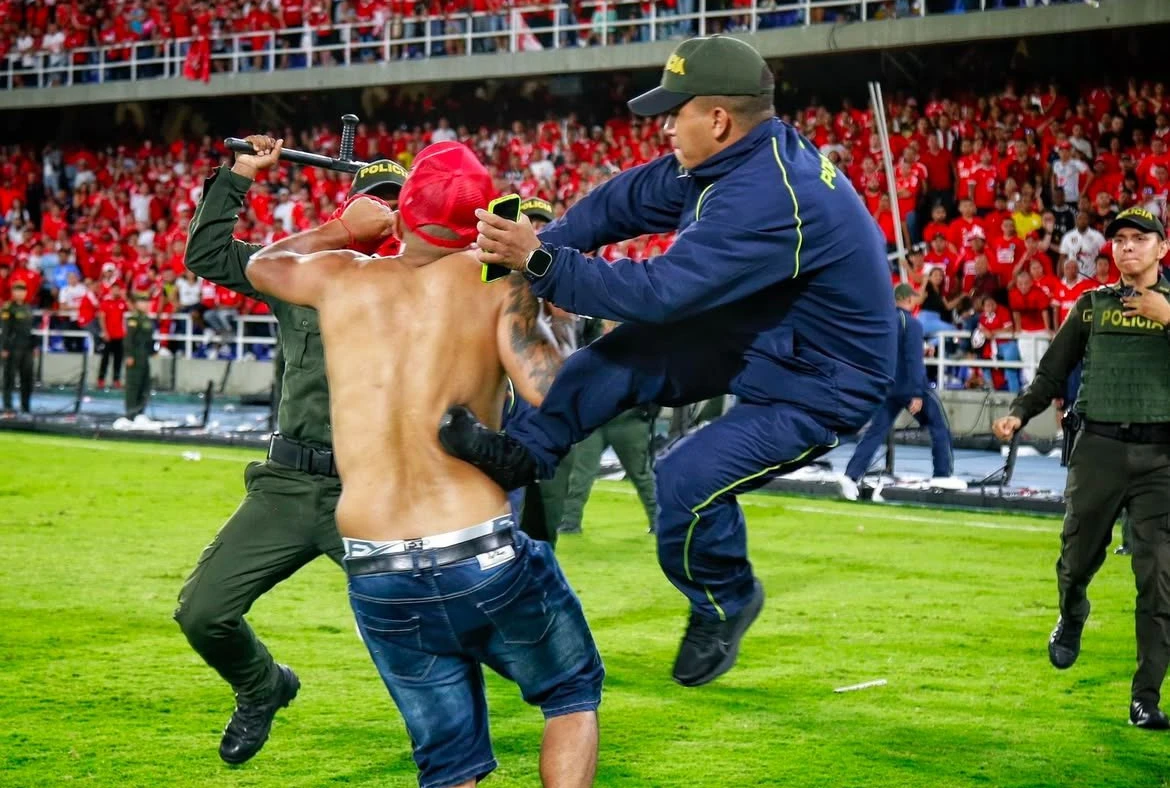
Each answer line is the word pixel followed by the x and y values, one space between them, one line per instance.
pixel 299 157
pixel 344 162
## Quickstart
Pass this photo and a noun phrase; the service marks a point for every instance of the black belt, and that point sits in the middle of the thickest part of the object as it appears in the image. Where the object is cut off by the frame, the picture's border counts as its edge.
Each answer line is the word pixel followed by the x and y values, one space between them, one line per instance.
pixel 1130 433
pixel 411 559
pixel 285 451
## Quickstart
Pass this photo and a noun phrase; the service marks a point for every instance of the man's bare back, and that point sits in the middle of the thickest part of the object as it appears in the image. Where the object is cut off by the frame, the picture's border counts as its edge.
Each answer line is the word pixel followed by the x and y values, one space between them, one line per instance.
pixel 402 344
pixel 405 338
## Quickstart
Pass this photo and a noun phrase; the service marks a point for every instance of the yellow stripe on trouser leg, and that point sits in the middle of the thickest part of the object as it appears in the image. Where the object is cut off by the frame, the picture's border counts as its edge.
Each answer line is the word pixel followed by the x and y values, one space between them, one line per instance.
pixel 696 512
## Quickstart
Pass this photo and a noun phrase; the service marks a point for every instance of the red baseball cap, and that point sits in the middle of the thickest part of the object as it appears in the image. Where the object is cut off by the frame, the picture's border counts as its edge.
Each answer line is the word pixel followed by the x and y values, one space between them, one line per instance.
pixel 447 183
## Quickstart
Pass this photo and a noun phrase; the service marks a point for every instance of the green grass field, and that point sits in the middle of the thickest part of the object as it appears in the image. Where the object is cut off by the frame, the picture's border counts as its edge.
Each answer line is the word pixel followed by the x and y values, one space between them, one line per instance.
pixel 953 609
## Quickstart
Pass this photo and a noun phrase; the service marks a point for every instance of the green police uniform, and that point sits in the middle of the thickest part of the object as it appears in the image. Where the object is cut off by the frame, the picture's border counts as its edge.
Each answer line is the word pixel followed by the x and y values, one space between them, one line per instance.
pixel 140 347
pixel 17 341
pixel 286 517
pixel 1121 458
pixel 629 435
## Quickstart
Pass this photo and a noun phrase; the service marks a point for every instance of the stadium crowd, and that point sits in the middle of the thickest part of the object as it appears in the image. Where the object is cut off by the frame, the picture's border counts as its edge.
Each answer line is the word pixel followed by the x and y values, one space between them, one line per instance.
pixel 50 36
pixel 1002 199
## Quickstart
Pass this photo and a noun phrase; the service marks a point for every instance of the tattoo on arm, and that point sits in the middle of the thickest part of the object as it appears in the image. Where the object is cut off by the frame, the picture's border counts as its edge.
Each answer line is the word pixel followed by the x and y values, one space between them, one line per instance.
pixel 533 345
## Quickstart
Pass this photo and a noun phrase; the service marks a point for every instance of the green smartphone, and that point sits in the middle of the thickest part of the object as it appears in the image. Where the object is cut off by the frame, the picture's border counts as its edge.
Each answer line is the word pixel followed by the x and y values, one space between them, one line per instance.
pixel 507 207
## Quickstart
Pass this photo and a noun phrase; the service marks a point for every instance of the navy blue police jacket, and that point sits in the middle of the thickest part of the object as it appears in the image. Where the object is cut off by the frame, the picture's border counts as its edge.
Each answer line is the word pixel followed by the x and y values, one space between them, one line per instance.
pixel 910 376
pixel 776 256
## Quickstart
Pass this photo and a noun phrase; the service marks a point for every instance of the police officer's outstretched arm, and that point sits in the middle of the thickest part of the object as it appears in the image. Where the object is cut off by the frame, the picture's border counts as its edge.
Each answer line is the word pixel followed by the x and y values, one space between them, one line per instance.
pixel 212 252
pixel 722 257
pixel 1065 352
pixel 643 200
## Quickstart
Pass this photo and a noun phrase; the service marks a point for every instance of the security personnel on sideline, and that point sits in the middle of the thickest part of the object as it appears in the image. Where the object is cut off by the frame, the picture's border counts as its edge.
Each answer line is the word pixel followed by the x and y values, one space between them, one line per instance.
pixel 767 293
pixel 139 349
pixel 629 434
pixel 913 393
pixel 286 518
pixel 1122 457
pixel 17 346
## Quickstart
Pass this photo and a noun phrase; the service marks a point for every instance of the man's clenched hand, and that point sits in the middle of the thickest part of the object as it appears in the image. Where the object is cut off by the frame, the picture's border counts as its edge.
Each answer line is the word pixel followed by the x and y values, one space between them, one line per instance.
pixel 266 155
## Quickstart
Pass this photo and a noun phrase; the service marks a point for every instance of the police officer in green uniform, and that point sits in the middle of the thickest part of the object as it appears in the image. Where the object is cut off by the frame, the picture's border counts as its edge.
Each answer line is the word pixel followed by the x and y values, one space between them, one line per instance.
pixel 139 348
pixel 629 434
pixel 1121 457
pixel 286 518
pixel 17 346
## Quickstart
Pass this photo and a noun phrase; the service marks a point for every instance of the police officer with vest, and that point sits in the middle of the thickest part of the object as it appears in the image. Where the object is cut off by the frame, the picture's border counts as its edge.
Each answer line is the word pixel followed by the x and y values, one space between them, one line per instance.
pixel 139 348
pixel 286 518
pixel 17 346
pixel 1121 458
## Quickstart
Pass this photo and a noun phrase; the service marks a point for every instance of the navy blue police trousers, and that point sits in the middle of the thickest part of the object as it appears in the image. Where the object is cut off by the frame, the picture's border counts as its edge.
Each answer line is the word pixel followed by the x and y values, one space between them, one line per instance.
pixel 702 538
pixel 932 416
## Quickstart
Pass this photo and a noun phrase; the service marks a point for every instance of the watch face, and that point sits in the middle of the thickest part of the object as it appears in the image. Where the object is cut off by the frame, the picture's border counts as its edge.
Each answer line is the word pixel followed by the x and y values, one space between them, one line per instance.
pixel 539 263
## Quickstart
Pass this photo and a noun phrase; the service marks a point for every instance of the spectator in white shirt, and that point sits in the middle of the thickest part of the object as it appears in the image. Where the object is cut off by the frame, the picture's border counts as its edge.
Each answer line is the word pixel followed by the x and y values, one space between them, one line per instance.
pixel 283 212
pixel 140 200
pixel 83 175
pixel 1067 172
pixel 26 49
pixel 54 44
pixel 1082 244
pixel 69 297
pixel 444 132
pixel 542 168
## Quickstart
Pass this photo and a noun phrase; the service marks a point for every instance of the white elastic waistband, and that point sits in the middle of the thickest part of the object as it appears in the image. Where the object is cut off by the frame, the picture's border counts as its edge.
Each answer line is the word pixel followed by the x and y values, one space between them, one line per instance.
pixel 363 548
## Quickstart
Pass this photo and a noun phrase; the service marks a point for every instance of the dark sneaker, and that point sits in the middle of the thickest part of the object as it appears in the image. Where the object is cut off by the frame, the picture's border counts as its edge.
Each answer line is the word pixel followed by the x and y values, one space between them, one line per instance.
pixel 500 456
pixel 710 646
pixel 248 728
pixel 1148 716
pixel 1123 550
pixel 1065 644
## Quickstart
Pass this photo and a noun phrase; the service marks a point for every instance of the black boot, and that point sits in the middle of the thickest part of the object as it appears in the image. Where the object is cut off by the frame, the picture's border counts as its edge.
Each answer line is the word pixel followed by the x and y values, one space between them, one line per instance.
pixel 1148 716
pixel 710 646
pixel 497 454
pixel 1065 644
pixel 248 728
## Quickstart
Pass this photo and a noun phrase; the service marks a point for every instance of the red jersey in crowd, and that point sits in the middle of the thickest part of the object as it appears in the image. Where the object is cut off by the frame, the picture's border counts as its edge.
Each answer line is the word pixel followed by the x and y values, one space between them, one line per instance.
pixel 1068 294
pixel 1030 307
pixel 114 310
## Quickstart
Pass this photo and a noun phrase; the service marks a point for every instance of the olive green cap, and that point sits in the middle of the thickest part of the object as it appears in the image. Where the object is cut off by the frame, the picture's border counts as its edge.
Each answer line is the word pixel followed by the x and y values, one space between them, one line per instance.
pixel 383 178
pixel 536 208
pixel 706 66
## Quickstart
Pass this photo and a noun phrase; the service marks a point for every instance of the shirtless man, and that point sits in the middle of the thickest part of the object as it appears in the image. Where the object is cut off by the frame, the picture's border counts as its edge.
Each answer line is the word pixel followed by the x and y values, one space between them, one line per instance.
pixel 440 580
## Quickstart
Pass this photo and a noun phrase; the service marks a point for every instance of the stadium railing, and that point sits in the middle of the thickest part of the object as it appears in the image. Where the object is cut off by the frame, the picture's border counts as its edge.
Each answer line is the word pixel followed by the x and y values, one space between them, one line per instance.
pixel 948 366
pixel 239 340
pixel 235 49
pixel 264 333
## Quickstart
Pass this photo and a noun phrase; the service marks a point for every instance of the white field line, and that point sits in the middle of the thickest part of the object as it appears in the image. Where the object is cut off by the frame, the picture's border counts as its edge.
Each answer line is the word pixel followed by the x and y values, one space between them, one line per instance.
pixel 756 501
pixel 126 447
pixel 882 513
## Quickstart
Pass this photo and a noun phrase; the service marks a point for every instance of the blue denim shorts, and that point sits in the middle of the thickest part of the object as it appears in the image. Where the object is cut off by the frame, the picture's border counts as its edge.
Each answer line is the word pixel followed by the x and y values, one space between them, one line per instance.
pixel 431 630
